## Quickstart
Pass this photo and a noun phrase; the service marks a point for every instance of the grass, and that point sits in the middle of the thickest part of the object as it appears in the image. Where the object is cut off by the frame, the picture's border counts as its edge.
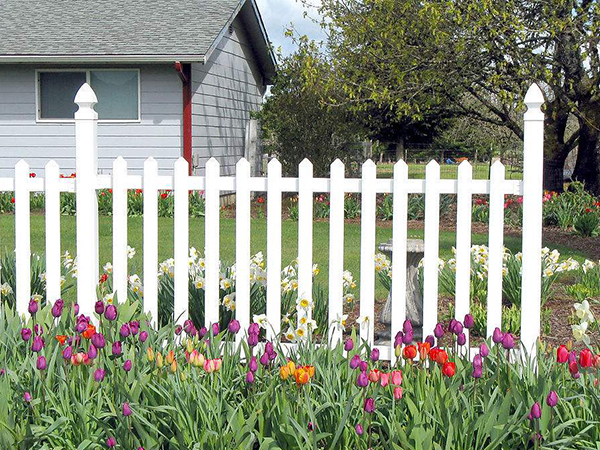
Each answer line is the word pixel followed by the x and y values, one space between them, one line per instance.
pixel 227 241
pixel 481 171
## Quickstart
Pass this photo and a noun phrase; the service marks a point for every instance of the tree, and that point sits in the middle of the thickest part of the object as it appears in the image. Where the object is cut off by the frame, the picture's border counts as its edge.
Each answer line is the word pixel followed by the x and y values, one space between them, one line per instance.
pixel 298 121
pixel 414 55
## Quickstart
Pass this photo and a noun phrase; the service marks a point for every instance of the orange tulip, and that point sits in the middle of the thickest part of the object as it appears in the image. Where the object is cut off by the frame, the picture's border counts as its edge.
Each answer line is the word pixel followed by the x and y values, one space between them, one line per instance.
pixel 310 370
pixel 170 357
pixel 302 376
pixel 409 352
pixel 284 372
pixel 424 348
pixel 62 339
pixel 89 332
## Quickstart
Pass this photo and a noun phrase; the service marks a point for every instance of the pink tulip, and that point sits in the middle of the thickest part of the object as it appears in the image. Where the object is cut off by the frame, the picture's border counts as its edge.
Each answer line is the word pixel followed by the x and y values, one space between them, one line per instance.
pixel 397 393
pixel 397 377
pixel 384 379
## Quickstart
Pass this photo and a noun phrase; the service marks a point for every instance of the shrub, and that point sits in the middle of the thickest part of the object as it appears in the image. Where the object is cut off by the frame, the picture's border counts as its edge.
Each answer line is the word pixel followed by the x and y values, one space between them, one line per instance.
pixel 564 209
pixel 587 224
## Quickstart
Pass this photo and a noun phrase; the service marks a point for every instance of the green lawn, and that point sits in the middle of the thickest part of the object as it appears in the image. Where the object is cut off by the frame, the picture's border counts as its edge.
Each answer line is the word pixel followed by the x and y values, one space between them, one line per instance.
pixel 227 241
pixel 481 171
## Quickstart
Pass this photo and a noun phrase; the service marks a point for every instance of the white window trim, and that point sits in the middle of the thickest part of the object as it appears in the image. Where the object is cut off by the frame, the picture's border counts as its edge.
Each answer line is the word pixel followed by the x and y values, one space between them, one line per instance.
pixel 87 71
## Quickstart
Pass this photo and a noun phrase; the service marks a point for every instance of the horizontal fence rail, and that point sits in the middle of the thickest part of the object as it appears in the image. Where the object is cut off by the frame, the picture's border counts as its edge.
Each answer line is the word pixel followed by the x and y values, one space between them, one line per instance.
pixel 88 181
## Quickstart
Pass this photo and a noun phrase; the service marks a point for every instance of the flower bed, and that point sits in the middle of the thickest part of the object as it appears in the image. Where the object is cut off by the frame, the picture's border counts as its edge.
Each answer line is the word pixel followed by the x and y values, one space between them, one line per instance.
pixel 115 382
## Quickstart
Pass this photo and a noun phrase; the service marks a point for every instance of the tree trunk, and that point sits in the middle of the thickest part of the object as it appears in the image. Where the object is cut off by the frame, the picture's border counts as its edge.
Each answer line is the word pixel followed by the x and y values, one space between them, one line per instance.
pixel 400 148
pixel 555 148
pixel 588 164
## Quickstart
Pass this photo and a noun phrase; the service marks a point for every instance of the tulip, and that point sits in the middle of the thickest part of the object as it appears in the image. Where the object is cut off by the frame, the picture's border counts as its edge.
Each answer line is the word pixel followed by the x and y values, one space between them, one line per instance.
pixel 170 357
pixel 458 328
pixel 407 326
pixel 117 349
pixel 149 354
pixel 67 352
pixel 430 340
pixel 26 334
pixel 234 326
pixel 250 377
pixel 134 327
pixel 408 337
pixel 469 321
pixel 362 380
pixel 397 393
pixel 143 336
pixel 461 339
pixel 478 362
pixel 111 312
pixel 217 362
pixel 359 429
pixel 311 426
pixel 284 372
pixel 264 359
pixel 269 348
pixel 98 340
pixel 174 366
pixel 375 354
pixel 385 379
pixel 498 336
pixel 27 397
pixel 508 341
pixel 92 352
pixel 369 405
pixel 449 369
pixel 127 365
pixel 202 332
pixel 215 329
pixel 178 329
pixel 159 360
pixel 585 358
pixel 253 365
pixel 38 329
pixel 254 328
pixel 409 352
pixel 374 376
pixel 111 442
pixel 438 331
pixel 75 309
pixel 397 377
pixel 38 344
pixel 536 411
pixel 552 399
pixel 33 306
pixel 363 366
pixel 424 349
pixel 302 376
pixel 573 368
pixel 252 340
pixel 477 372
pixel 349 345
pixel 81 326
pixel 398 339
pixel 99 375
pixel 99 307
pixel 126 409
pixel 57 308
pixel 398 350
pixel 187 326
pixel 354 362
pixel 484 350
pixel 209 366
pixel 41 363
pixel 125 330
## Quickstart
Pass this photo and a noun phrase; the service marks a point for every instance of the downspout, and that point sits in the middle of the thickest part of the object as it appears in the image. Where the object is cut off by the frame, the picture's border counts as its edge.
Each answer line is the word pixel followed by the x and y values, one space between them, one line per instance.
pixel 185 73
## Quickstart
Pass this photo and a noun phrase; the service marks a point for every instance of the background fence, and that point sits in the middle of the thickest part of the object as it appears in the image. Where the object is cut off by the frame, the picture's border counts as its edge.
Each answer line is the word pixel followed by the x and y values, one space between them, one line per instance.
pixel 88 181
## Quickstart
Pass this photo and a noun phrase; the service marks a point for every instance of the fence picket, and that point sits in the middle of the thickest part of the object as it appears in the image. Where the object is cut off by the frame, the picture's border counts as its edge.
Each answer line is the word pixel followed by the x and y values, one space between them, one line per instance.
pixel 181 239
pixel 52 217
pixel 305 235
pixel 399 235
pixel 367 251
pixel 336 252
pixel 463 242
pixel 242 244
pixel 150 226
pixel 533 154
pixel 22 236
pixel 274 248
pixel 432 242
pixel 496 248
pixel 119 226
pixel 211 242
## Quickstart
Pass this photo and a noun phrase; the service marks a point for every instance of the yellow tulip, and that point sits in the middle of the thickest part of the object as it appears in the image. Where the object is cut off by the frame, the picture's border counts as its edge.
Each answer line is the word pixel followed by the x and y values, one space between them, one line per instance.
pixel 150 354
pixel 159 360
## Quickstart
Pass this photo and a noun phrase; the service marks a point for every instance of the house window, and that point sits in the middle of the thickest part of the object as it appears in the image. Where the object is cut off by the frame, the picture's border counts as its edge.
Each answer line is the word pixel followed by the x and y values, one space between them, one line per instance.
pixel 117 90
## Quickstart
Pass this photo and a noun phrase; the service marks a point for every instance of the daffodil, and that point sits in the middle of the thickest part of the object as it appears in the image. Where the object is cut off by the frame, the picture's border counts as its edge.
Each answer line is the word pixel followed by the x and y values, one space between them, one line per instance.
pixel 579 332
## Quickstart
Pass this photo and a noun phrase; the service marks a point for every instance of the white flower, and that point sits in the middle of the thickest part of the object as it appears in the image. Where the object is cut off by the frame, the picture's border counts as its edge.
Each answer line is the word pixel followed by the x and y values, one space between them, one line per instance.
pixel 261 320
pixel 587 265
pixel 5 289
pixel 228 302
pixel 43 277
pixel 304 303
pixel 290 335
pixel 579 332
pixel 130 252
pixel 349 298
pixel 109 298
pixel 301 332
pixel 363 321
pixel 225 284
pixel 582 311
pixel 37 297
pixel 315 270
pixel 199 283
pixel 340 321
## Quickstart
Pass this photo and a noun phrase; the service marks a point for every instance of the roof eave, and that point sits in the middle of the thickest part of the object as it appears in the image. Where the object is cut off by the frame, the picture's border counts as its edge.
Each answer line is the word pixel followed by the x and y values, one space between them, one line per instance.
pixel 100 58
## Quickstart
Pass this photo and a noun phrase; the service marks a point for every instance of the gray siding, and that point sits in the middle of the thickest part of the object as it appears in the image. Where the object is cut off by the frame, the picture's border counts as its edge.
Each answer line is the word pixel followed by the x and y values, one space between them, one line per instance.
pixel 157 135
pixel 225 90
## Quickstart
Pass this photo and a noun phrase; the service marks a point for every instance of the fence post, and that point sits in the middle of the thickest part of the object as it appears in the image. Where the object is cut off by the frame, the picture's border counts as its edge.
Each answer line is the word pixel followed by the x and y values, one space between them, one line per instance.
pixel 86 166
pixel 533 162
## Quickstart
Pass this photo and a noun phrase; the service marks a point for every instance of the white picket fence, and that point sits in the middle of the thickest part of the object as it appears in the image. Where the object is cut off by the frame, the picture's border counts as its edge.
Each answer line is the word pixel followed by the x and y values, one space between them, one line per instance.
pixel 88 181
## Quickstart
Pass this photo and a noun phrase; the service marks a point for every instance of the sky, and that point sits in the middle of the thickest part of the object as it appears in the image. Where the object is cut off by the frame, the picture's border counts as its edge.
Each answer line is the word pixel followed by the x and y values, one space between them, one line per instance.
pixel 277 16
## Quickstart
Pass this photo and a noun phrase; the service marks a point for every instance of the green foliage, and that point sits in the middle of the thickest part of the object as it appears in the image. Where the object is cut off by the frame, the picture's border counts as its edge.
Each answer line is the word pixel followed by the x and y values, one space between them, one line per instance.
pixel 564 210
pixel 587 224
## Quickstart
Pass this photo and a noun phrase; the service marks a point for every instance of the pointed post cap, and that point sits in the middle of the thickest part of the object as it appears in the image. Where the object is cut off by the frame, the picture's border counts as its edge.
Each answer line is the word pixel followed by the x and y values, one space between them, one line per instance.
pixel 86 97
pixel 534 98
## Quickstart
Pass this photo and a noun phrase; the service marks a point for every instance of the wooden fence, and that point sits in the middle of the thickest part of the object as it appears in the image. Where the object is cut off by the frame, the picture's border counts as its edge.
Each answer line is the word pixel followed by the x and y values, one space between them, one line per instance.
pixel 88 181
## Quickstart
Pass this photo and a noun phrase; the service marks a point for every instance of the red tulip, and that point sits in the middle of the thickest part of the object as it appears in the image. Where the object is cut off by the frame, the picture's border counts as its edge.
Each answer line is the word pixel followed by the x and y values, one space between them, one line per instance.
pixel 562 354
pixel 449 369
pixel 585 358
pixel 409 352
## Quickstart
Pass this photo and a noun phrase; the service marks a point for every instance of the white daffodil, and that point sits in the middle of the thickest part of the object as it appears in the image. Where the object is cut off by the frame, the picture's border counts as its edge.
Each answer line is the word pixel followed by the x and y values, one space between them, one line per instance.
pixel 261 320
pixel 199 283
pixel 109 298
pixel 579 332
pixel 301 332
pixel 290 335
pixel 349 298
pixel 304 303
pixel 5 289
pixel 43 277
pixel 583 312
pixel 130 252
pixel 363 321
pixel 225 284
pixel 587 265
pixel 108 267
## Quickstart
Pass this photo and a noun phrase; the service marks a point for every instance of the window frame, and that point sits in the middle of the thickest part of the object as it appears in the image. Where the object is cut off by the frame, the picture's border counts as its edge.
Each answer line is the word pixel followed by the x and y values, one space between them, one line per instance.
pixel 87 71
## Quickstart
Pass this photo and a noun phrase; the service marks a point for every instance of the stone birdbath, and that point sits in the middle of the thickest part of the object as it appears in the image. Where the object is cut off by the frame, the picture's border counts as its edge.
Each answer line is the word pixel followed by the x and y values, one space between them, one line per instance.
pixel 415 250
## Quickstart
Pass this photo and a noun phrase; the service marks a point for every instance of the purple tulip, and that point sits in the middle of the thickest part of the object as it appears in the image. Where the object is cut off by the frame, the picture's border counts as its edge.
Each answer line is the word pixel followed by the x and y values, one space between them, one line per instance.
pixel 41 363
pixel 572 357
pixel 75 309
pixel 484 350
pixel 134 327
pixel 461 339
pixel 117 349
pixel 497 336
pixel 253 365
pixel 98 340
pixel 99 307
pixel 67 352
pixel 111 442
pixel 215 329
pixel 187 326
pixel 33 306
pixel 99 375
pixel 234 326
pixel 38 344
pixel 349 345
pixel 408 337
pixel 26 334
pixel 143 336
pixel 127 365
pixel 250 377
pixel 125 330
pixel 57 308
pixel 111 312
pixel 92 352
pixel 363 366
pixel 536 411
pixel 375 355
pixel 362 380
pixel 268 348
pixel 508 341
pixel 264 359
pixel 458 328
pixel 254 328
pixel 407 326
pixel 2 372
pixel 38 329
pixel 359 429
pixel 451 325
pixel 430 340
pixel 438 331
pixel 477 372
pixel 81 326
pixel 272 356
pixel 398 339
pixel 178 330
pixel 27 397
pixel 126 409
pixel 552 399
pixel 354 362
pixel 252 339
pixel 369 405
pixel 469 321
pixel 478 362
pixel 202 332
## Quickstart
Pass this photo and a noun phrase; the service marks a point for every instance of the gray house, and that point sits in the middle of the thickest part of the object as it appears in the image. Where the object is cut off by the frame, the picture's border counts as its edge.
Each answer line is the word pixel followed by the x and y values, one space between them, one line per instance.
pixel 173 78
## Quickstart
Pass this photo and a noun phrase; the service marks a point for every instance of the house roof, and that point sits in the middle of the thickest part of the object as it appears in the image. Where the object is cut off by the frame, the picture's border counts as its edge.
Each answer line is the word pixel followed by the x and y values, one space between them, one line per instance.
pixel 124 30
